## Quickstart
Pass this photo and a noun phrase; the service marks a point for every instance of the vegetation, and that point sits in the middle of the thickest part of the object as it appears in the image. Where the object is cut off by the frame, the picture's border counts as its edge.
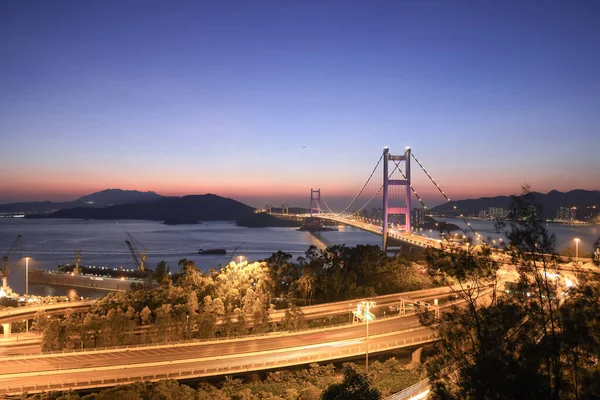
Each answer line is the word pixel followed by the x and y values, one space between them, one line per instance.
pixel 541 342
pixel 234 301
pixel 354 386
pixel 302 384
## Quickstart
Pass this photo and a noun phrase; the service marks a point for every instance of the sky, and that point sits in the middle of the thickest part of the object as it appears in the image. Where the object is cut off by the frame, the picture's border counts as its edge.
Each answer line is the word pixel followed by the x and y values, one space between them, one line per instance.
pixel 263 100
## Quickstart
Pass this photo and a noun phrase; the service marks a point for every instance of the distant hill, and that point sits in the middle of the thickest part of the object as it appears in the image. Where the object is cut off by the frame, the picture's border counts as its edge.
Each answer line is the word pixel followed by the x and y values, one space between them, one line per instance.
pixel 549 202
pixel 207 207
pixel 104 198
pixel 263 220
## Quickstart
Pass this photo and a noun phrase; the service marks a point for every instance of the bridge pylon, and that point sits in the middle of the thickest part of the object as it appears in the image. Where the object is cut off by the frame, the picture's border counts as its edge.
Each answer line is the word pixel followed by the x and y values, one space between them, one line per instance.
pixel 315 201
pixel 387 182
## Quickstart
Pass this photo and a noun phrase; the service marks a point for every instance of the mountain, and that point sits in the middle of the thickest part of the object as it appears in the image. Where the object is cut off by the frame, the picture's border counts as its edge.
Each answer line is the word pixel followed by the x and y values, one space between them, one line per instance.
pixel 99 199
pixel 549 202
pixel 207 207
pixel 113 197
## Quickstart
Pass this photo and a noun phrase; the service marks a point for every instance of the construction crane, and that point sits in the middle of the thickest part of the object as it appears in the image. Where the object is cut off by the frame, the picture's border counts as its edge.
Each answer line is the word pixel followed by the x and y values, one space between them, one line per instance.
pixel 234 251
pixel 78 259
pixel 5 268
pixel 139 259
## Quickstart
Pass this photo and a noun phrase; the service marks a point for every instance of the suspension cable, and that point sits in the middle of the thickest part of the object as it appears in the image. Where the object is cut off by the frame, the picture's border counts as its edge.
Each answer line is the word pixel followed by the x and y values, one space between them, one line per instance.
pixel 410 185
pixel 374 195
pixel 327 205
pixel 444 194
pixel 364 186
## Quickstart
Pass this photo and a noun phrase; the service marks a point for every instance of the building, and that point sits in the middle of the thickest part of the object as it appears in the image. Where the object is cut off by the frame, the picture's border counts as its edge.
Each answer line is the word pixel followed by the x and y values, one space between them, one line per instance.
pixel 566 214
pixel 493 213
pixel 418 216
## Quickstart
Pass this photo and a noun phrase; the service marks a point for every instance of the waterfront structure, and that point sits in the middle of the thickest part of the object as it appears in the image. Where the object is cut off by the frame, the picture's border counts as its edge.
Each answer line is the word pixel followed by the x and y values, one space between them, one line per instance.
pixel 493 213
pixel 417 216
pixel 566 214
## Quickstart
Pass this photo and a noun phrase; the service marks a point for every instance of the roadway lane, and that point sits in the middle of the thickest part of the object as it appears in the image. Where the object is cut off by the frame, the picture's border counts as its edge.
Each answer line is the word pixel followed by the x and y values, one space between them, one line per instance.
pixel 18 314
pixel 136 355
pixel 312 312
pixel 210 366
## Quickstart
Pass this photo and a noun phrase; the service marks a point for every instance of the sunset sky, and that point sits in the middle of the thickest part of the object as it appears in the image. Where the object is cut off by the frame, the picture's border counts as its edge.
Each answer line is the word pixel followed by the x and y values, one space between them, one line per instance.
pixel 260 101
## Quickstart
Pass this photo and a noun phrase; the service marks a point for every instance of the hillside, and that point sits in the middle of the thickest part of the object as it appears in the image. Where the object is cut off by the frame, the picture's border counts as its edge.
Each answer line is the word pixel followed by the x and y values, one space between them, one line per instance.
pixel 263 220
pixel 103 198
pixel 207 207
pixel 549 202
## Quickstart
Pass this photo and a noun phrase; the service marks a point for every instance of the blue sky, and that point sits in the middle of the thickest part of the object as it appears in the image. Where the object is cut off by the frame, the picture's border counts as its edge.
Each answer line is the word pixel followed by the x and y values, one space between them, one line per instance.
pixel 260 101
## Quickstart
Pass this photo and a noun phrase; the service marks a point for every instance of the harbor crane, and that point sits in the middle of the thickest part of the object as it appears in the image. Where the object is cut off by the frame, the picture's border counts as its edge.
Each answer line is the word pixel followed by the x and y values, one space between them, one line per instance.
pixel 78 259
pixel 5 268
pixel 234 251
pixel 139 259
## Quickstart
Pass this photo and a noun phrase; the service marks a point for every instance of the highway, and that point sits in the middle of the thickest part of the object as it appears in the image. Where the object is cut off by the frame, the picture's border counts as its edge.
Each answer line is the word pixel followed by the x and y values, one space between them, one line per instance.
pixel 211 358
pixel 310 312
pixel 121 356
pixel 97 368
pixel 18 314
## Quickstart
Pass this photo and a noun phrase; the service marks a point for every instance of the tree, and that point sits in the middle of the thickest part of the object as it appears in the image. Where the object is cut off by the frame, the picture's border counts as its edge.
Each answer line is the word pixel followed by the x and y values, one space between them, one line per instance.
pixel 354 387
pixel 532 250
pixel 162 274
pixel 541 342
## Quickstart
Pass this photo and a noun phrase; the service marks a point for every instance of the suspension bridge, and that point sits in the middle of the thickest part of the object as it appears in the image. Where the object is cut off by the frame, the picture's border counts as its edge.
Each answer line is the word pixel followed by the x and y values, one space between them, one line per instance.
pixel 383 204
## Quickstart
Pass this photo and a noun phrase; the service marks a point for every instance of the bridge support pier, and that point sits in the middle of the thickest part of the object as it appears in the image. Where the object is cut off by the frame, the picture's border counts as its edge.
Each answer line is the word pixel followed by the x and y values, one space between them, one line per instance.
pixel 415 357
pixel 7 330
pixel 315 202
pixel 387 210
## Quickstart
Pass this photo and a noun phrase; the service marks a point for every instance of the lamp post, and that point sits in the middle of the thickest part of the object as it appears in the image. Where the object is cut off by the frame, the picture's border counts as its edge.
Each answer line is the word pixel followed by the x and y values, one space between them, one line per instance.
pixel 26 290
pixel 576 249
pixel 26 279
pixel 367 304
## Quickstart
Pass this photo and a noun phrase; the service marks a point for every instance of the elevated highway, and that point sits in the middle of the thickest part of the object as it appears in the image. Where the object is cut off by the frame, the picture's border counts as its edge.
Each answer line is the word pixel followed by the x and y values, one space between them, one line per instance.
pixel 100 368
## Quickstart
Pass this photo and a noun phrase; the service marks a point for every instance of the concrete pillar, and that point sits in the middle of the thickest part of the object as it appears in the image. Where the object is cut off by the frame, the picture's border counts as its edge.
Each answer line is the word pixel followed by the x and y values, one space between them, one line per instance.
pixel 415 357
pixel 7 330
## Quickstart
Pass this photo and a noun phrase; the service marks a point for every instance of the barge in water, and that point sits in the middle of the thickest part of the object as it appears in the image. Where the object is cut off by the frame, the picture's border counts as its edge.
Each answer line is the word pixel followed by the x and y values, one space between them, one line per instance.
pixel 92 277
pixel 212 251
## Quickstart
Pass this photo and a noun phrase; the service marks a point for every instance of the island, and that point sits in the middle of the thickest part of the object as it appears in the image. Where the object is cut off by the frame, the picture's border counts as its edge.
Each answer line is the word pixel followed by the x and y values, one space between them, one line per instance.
pixel 265 220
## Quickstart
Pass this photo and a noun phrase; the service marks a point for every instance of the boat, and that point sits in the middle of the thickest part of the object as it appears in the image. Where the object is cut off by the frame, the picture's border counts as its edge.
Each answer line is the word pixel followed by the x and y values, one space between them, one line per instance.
pixel 93 277
pixel 96 277
pixel 316 228
pixel 212 251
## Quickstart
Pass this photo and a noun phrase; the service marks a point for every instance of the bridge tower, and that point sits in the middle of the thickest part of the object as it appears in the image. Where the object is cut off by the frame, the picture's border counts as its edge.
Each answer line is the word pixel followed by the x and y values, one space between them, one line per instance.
pixel 315 201
pixel 387 182
pixel 268 208
pixel 285 208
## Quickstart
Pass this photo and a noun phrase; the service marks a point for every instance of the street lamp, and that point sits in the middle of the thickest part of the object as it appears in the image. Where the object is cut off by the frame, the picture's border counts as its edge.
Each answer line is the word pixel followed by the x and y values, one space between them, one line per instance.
pixel 367 304
pixel 27 290
pixel 576 249
pixel 26 280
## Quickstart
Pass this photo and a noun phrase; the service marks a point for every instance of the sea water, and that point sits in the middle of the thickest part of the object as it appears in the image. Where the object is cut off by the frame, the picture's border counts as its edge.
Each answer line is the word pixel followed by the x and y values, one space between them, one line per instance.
pixel 50 242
